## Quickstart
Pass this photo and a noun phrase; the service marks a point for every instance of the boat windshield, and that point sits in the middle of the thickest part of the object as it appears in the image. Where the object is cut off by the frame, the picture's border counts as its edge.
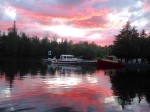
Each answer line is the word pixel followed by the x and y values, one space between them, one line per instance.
pixel 110 57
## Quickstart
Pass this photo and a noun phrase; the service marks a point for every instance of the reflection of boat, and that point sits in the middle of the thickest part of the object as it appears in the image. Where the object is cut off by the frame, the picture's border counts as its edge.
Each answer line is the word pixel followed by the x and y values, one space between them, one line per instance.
pixel 64 68
pixel 109 62
pixel 110 72
pixel 65 59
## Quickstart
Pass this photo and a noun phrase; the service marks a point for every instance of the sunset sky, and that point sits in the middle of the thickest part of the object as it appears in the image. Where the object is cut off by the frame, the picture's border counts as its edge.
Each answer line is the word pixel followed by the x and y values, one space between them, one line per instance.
pixel 78 20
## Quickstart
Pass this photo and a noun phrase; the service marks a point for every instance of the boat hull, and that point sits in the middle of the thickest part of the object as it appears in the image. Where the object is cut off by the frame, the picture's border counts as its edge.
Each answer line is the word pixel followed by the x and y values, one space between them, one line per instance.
pixel 109 64
pixel 65 62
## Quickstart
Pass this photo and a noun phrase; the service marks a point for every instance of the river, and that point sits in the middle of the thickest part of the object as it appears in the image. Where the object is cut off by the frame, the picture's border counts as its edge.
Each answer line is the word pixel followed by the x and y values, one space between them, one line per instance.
pixel 32 86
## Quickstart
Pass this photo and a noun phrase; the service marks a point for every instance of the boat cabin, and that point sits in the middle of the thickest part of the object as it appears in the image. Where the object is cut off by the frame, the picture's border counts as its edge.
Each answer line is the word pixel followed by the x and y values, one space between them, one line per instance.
pixel 111 58
pixel 67 57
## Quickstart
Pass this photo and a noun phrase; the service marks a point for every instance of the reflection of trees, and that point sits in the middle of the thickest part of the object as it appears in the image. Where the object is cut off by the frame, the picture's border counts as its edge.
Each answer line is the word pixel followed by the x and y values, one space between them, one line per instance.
pixel 68 69
pixel 129 84
pixel 88 69
pixel 13 68
pixel 9 69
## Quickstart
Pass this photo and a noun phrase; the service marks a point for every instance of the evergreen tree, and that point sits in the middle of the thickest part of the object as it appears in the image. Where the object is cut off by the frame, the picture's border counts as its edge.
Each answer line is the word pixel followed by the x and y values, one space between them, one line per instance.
pixel 122 43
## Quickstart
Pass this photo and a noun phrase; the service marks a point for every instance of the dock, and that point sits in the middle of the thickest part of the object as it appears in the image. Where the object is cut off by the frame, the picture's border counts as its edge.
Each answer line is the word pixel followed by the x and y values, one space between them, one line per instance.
pixel 83 62
pixel 88 62
pixel 137 65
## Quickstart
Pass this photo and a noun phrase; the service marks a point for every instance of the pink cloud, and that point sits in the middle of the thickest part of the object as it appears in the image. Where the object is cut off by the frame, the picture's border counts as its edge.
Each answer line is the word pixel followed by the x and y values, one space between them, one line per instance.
pixel 34 17
pixel 147 8
pixel 5 25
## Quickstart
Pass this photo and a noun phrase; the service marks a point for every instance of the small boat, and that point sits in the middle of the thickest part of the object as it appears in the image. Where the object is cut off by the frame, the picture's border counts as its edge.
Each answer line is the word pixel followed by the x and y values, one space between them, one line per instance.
pixel 65 59
pixel 109 62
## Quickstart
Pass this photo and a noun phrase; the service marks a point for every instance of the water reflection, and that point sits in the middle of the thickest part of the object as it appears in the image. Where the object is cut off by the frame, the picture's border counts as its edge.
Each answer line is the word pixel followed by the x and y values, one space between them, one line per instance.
pixel 33 86
pixel 64 69
pixel 19 69
pixel 132 87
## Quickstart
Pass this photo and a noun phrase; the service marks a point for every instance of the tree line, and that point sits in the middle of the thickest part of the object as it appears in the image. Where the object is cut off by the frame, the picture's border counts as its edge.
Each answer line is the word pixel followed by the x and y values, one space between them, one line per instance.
pixel 130 44
pixel 13 44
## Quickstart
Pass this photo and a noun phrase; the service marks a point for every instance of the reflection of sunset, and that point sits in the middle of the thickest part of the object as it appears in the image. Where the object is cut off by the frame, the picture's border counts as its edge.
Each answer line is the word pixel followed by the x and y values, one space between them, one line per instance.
pixel 92 80
pixel 80 92
pixel 29 86
pixel 63 81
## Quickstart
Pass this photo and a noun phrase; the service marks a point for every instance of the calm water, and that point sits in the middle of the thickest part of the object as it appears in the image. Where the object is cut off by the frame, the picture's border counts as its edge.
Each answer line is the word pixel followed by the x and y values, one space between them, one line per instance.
pixel 30 86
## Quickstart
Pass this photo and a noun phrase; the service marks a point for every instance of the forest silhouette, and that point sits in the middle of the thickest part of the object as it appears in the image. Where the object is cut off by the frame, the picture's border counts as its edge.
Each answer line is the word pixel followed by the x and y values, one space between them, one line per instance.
pixel 13 44
pixel 129 44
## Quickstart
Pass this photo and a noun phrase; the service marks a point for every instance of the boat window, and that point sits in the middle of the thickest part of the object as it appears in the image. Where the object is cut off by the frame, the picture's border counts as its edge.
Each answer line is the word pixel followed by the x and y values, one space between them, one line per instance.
pixel 66 56
pixel 110 58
